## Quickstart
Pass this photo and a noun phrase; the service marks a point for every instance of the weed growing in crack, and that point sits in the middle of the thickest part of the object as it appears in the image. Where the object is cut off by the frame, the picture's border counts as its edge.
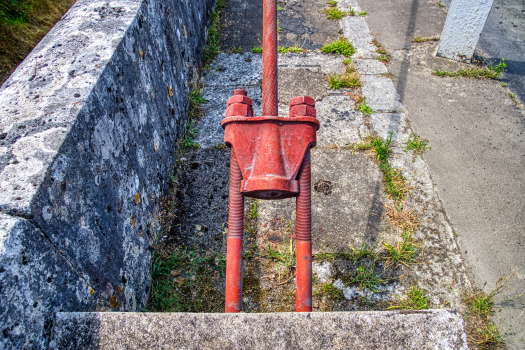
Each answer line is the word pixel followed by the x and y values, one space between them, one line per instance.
pixel 221 146
pixel 351 12
pixel 291 49
pixel 340 47
pixel 254 214
pixel 419 39
pixel 347 61
pixel 503 84
pixel 388 75
pixel 184 282
pixel 376 43
pixel 332 292
pixel 236 49
pixel 382 58
pixel 338 82
pixel 490 72
pixel 257 49
pixel 417 145
pixel 279 8
pixel 404 252
pixel 440 4
pixel 381 51
pixel 334 13
pixel 196 100
pixel 364 252
pixel 363 13
pixel 279 29
pixel 365 109
pixel 332 3
pixel 514 98
pixel 213 48
pixel 366 278
pixel 415 299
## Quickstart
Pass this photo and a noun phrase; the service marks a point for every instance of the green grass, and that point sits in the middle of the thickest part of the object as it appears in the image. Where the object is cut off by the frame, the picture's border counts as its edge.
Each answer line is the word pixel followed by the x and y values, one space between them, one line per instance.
pixel 365 109
pixel 404 252
pixel 340 47
pixel 490 334
pixel 332 3
pixel 329 290
pixel 364 252
pixel 503 84
pixel 196 100
pixel 213 48
pixel 419 39
pixel 334 13
pixel 279 29
pixel 183 282
pixel 363 13
pixel 284 257
pixel 514 98
pixel 236 49
pixel 291 49
pixel 257 49
pixel 279 8
pixel 337 82
pixel 415 299
pixel 395 183
pixel 347 61
pixel 351 12
pixel 382 58
pixel 220 146
pixel 381 51
pixel 417 145
pixel 366 278
pixel 254 214
pixel 440 4
pixel 491 72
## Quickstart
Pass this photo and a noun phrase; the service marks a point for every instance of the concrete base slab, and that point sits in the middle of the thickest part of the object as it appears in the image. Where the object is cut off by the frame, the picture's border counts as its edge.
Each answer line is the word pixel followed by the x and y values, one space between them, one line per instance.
pixel 429 329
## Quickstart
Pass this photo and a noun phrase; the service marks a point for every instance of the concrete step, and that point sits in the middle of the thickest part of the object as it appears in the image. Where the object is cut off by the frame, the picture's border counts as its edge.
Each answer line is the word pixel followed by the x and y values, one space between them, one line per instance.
pixel 428 329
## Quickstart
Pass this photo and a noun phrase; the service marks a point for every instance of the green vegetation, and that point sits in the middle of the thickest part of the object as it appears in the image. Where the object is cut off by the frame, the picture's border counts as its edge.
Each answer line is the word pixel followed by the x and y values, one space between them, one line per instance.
pixel 221 146
pixel 279 29
pixel 184 282
pixel 334 14
pixel 291 49
pixel 236 49
pixel 503 84
pixel 388 75
pixel 348 80
pixel 332 3
pixel 490 72
pixel 351 12
pixel 419 39
pixel 213 47
pixel 364 252
pixel 404 252
pixel 365 109
pixel 363 13
pixel 340 47
pixel 381 51
pixel 440 4
pixel 347 61
pixel 23 23
pixel 196 100
pixel 257 50
pixel 287 258
pixel 382 58
pixel 417 145
pixel 395 183
pixel 254 214
pixel 415 299
pixel 514 98
pixel 279 8
pixel 366 278
pixel 331 291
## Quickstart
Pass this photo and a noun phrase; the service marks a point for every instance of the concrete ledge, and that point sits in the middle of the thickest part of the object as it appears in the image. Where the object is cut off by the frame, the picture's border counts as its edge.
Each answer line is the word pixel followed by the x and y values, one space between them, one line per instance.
pixel 429 329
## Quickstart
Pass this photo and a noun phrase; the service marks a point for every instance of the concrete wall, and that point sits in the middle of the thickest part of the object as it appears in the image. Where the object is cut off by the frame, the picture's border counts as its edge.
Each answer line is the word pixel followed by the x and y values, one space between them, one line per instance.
pixel 88 129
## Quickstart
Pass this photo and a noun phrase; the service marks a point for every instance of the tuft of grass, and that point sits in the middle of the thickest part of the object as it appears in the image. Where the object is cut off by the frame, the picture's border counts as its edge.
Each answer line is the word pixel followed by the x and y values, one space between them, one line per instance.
pixel 389 75
pixel 415 299
pixel 279 8
pixel 220 146
pixel 236 49
pixel 213 48
pixel 337 82
pixel 257 49
pixel 395 183
pixel 287 258
pixel 503 84
pixel 184 282
pixel 513 98
pixel 490 72
pixel 334 13
pixel 347 61
pixel 417 145
pixel 381 51
pixel 365 109
pixel 376 43
pixel 419 39
pixel 254 214
pixel 364 252
pixel 331 291
pixel 440 4
pixel 366 278
pixel 404 252
pixel 291 49
pixel 489 334
pixel 382 58
pixel 363 13
pixel 196 100
pixel 340 47
pixel 351 12
pixel 279 29
pixel 332 3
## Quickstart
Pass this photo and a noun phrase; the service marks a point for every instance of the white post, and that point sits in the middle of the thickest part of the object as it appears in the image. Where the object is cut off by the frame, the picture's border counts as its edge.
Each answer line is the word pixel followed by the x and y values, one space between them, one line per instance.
pixel 465 21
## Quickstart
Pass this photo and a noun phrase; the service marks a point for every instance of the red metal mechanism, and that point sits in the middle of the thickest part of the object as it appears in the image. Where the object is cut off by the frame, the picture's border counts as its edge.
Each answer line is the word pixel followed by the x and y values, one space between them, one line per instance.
pixel 270 159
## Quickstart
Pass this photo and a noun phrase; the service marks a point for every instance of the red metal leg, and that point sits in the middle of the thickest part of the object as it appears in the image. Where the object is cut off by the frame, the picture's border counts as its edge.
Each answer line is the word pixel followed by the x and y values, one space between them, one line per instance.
pixel 269 85
pixel 303 244
pixel 235 237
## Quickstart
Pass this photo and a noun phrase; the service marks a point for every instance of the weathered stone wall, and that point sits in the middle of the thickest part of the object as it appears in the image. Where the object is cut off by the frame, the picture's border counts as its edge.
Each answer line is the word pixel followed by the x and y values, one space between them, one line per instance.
pixel 88 129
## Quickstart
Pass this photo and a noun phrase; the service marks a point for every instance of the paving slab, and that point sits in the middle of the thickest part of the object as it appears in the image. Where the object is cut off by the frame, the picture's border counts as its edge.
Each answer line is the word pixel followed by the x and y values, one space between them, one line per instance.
pixel 429 329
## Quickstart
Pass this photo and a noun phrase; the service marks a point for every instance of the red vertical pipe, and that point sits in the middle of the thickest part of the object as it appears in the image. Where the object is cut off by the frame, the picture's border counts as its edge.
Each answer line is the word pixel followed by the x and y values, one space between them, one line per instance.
pixel 235 236
pixel 269 84
pixel 303 243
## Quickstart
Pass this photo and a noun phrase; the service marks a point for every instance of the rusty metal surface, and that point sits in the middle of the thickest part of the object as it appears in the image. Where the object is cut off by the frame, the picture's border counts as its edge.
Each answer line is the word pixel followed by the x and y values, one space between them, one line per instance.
pixel 269 84
pixel 235 237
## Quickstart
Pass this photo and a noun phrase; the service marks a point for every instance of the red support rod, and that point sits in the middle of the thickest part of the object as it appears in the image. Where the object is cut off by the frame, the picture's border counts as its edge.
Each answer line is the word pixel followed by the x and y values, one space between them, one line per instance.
pixel 235 237
pixel 269 84
pixel 303 243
